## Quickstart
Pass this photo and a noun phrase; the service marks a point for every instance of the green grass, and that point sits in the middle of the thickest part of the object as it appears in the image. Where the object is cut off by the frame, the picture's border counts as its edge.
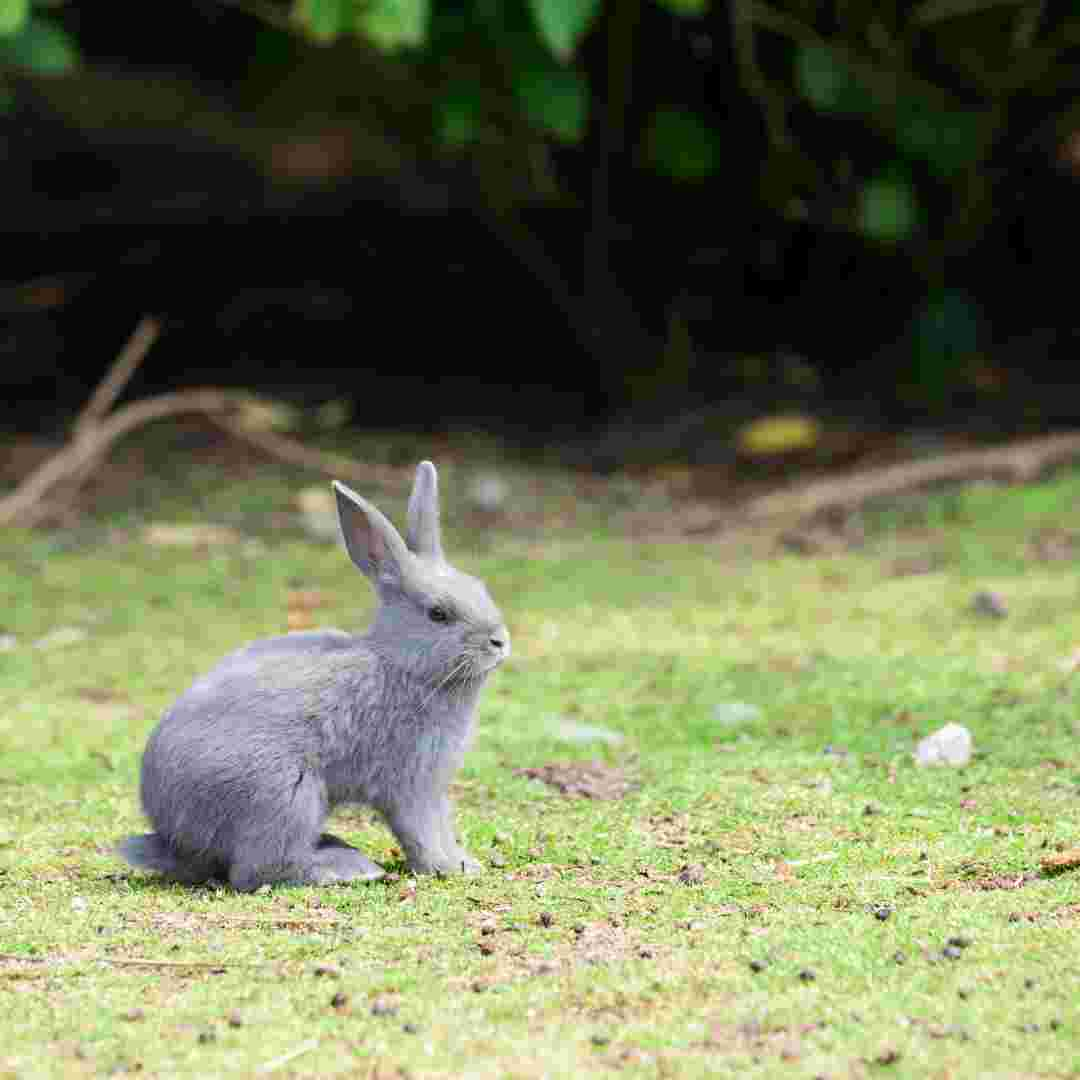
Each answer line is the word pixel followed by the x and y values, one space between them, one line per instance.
pixel 584 951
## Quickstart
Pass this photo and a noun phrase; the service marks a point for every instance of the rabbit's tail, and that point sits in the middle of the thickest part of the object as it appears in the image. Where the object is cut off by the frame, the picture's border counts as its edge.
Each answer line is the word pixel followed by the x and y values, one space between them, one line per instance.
pixel 151 852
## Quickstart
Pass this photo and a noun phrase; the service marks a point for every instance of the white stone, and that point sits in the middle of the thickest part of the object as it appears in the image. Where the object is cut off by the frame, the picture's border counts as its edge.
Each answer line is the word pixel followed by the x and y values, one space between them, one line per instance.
pixel 951 745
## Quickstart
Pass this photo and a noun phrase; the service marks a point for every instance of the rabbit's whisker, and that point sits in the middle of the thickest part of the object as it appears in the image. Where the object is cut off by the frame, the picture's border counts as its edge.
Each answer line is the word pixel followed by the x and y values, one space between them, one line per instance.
pixel 442 682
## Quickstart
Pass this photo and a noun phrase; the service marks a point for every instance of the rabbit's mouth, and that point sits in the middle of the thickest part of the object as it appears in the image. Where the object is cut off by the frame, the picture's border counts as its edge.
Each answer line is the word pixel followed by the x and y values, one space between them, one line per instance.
pixel 489 660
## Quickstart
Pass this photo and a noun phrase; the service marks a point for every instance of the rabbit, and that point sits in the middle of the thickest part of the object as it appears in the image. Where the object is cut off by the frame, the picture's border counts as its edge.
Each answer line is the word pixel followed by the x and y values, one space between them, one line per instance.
pixel 241 772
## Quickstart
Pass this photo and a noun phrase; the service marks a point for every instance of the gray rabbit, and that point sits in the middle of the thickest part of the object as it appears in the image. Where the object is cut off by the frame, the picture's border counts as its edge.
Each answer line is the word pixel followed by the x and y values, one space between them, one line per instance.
pixel 241 773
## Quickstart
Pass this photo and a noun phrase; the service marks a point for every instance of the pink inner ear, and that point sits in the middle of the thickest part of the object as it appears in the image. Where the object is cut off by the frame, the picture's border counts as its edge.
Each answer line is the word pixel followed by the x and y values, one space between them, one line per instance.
pixel 377 547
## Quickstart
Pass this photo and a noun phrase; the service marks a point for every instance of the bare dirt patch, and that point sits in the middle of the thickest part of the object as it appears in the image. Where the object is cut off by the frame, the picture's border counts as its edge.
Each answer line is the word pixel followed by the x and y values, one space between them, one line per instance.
pixel 583 779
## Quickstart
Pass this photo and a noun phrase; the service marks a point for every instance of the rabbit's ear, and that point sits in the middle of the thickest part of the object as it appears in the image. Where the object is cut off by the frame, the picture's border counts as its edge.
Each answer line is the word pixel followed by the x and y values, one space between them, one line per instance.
pixel 422 529
pixel 373 544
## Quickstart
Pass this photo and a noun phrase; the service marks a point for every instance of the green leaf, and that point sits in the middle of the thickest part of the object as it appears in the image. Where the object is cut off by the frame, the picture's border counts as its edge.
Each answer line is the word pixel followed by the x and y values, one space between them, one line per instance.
pixel 555 101
pixel 944 335
pixel 563 23
pixel 323 20
pixel 40 46
pixel 459 115
pixel 394 24
pixel 947 139
pixel 888 210
pixel 828 83
pixel 686 7
pixel 680 145
pixel 13 16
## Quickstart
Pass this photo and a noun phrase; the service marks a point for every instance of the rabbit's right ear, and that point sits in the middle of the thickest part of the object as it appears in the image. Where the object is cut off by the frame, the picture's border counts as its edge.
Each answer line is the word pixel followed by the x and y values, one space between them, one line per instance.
pixel 422 527
pixel 373 544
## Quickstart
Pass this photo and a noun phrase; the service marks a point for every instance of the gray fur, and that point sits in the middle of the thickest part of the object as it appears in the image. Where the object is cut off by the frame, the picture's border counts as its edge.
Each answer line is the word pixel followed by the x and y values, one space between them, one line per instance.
pixel 240 774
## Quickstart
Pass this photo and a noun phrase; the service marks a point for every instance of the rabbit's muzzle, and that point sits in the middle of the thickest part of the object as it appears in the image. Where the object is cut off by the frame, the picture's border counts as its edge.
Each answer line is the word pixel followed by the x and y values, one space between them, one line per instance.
pixel 496 648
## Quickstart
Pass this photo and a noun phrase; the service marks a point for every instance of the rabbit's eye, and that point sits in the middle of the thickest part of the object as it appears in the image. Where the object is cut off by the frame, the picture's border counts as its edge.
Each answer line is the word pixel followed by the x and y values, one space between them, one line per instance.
pixel 438 614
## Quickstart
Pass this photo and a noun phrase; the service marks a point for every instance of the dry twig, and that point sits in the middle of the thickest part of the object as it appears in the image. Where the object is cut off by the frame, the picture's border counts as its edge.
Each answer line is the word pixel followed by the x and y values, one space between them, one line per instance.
pixel 98 427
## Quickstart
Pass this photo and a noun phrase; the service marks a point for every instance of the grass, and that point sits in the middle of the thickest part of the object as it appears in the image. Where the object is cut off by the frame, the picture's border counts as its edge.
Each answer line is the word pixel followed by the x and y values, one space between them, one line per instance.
pixel 772 898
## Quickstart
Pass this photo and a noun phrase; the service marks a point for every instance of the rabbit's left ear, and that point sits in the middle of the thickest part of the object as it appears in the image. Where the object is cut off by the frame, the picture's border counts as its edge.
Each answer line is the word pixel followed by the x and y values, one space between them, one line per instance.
pixel 422 527
pixel 372 542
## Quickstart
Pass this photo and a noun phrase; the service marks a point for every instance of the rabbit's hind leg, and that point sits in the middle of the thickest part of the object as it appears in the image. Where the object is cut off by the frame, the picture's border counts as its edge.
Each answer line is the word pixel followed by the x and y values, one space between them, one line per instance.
pixel 334 864
pixel 292 849
pixel 329 865
pixel 335 856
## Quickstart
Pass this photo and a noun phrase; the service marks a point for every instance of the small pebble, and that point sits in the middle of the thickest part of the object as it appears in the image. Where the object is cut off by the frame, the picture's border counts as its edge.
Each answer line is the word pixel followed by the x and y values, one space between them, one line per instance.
pixel 236 1020
pixel 645 953
pixel 410 1029
pixel 1028 1029
pixel 487 928
pixel 991 604
pixel 963 993
pixel 207 1036
pixel 870 810
pixel 960 941
pixel 134 1015
pixel 501 838
pixel 328 970
pixel 546 918
pixel 951 952
pixel 692 874
pixel 382 1007
pixel 889 1056
pixel 882 913
pixel 758 966
pixel 339 1000
pixel 806 975
pixel 899 958
pixel 497 860
pixel 486 948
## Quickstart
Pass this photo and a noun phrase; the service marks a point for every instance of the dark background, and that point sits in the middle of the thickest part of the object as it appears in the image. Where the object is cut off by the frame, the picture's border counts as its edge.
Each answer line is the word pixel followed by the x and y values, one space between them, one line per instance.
pixel 233 179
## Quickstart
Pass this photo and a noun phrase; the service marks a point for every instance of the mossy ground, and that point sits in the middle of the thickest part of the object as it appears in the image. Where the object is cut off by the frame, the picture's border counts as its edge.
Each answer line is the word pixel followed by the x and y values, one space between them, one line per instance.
pixel 771 898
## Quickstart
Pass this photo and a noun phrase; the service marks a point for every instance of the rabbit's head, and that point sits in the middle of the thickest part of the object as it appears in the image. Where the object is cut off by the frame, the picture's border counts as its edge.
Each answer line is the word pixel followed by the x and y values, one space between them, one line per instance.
pixel 433 621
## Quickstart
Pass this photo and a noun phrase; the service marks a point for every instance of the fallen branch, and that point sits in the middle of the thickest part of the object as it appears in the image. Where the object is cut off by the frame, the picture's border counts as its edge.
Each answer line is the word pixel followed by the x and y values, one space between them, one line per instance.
pixel 118 376
pixel 296 453
pixel 97 428
pixel 137 961
pixel 118 961
pixel 24 505
pixel 1016 463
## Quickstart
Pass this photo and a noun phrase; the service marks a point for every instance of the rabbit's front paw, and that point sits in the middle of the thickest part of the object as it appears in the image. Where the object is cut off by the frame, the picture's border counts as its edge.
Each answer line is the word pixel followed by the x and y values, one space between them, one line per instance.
pixel 461 862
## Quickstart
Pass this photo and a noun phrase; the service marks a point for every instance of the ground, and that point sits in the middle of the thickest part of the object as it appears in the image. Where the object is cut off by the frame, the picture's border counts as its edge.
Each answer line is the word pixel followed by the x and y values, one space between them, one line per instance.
pixel 750 878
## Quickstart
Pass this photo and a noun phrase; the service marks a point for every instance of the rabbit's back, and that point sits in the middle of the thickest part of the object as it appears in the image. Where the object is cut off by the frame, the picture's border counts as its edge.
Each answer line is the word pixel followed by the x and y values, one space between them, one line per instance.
pixel 243 741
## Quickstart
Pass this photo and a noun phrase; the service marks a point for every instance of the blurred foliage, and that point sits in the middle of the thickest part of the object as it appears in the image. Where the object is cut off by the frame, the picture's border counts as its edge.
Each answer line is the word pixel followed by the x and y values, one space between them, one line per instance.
pixel 34 42
pixel 893 124
pixel 931 83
